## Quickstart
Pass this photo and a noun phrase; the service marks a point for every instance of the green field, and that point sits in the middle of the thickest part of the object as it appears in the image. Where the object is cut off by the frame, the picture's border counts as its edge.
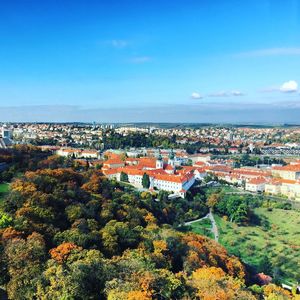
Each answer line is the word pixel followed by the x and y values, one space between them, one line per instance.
pixel 202 227
pixel 4 188
pixel 275 234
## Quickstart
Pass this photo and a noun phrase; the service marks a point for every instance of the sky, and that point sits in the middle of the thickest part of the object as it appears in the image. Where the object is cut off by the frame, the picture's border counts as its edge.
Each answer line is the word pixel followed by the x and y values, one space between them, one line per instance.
pixel 150 61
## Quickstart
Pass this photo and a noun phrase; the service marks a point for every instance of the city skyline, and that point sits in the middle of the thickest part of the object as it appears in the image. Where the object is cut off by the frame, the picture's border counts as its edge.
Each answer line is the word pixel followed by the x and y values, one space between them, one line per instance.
pixel 120 61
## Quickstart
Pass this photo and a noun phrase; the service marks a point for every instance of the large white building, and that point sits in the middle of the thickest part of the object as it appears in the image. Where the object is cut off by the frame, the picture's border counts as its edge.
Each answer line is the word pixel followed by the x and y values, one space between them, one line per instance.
pixel 291 171
pixel 256 185
pixel 78 153
pixel 199 157
pixel 162 176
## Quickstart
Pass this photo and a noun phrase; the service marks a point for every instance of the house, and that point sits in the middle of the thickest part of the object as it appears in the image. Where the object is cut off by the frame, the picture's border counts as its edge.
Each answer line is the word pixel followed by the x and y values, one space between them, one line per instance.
pixel 200 173
pixel 68 152
pixel 256 185
pixel 77 153
pixel 199 157
pixel 273 187
pixel 233 150
pixel 113 163
pixel 131 161
pixel 291 171
pixel 89 154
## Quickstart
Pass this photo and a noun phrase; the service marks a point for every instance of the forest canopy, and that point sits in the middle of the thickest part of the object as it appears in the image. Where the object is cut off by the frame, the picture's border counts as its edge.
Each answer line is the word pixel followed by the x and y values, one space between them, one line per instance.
pixel 73 234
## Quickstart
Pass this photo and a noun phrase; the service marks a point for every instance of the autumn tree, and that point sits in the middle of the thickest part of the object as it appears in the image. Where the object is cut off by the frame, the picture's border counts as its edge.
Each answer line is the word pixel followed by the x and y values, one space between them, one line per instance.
pixel 213 199
pixel 214 283
pixel 25 263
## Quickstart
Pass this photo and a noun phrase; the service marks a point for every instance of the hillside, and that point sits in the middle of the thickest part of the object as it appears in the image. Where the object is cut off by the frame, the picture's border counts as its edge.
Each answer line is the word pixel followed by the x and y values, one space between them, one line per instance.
pixel 68 233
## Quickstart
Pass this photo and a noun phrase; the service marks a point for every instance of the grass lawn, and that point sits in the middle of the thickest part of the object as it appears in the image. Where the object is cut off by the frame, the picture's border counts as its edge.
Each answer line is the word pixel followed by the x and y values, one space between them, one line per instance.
pixel 4 188
pixel 277 236
pixel 202 227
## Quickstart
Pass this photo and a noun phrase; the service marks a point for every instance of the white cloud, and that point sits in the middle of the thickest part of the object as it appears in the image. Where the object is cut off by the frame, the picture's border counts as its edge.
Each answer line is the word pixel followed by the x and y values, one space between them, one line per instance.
pixel 196 95
pixel 237 93
pixel 140 59
pixel 289 87
pixel 271 52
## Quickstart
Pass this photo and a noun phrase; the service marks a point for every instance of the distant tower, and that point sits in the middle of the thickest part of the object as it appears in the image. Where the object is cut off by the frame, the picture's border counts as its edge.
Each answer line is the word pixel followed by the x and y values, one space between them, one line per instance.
pixel 171 160
pixel 159 162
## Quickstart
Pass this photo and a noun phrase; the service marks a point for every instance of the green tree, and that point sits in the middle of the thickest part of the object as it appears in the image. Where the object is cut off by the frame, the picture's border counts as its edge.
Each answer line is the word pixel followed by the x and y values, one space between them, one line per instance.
pixel 265 265
pixel 80 277
pixel 118 236
pixel 146 181
pixel 124 177
pixel 5 220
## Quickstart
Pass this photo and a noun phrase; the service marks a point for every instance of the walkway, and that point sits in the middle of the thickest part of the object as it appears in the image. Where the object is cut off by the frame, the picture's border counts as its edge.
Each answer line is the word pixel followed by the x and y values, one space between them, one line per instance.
pixel 214 228
pixel 195 221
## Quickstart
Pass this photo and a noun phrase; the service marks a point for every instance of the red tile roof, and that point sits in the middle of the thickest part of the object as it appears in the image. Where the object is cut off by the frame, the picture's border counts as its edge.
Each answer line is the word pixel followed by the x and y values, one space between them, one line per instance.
pixel 293 168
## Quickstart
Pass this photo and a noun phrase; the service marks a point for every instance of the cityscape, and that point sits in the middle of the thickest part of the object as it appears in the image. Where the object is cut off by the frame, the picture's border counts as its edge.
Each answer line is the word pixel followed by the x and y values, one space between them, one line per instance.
pixel 150 150
pixel 257 159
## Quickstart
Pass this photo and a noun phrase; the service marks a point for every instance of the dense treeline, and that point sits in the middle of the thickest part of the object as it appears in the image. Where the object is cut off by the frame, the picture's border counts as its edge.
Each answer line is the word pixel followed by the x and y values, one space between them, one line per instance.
pixel 239 208
pixel 21 158
pixel 75 235
pixel 115 140
pixel 247 160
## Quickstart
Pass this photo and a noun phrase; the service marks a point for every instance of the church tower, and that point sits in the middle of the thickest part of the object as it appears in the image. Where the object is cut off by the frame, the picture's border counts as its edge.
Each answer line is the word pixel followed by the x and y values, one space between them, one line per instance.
pixel 159 162
pixel 171 160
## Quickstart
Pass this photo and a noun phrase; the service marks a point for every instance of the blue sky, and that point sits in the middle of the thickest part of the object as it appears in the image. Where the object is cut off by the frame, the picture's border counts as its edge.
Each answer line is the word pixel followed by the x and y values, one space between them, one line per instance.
pixel 174 61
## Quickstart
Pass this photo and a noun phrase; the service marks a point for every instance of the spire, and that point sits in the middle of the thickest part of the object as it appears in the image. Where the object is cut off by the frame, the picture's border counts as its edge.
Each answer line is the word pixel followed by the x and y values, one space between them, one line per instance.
pixel 159 162
pixel 171 155
pixel 159 155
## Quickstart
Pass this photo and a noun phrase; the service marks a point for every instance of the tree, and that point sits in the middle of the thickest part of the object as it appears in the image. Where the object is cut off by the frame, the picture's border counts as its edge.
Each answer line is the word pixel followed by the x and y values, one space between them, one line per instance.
pixel 118 236
pixel 25 265
pixel 265 265
pixel 146 181
pixel 274 292
pixel 124 177
pixel 212 200
pixel 5 220
pixel 77 214
pixel 81 276
pixel 214 283
pixel 63 251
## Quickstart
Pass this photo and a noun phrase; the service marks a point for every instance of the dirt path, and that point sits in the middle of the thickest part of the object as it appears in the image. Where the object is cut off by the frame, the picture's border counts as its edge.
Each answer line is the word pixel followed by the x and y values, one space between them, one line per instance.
pixel 195 221
pixel 214 228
